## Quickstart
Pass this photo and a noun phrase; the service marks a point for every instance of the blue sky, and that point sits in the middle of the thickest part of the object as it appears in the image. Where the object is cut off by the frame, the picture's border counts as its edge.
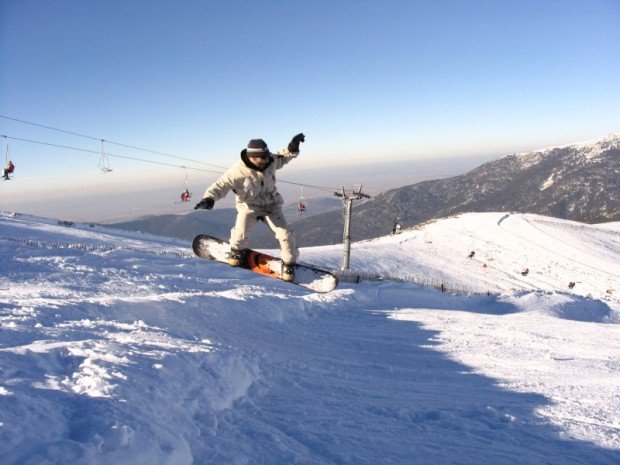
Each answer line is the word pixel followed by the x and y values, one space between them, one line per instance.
pixel 366 81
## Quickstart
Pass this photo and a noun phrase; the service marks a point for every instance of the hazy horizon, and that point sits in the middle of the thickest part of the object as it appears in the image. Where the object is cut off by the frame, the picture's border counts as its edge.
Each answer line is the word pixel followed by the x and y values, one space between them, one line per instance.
pixel 124 204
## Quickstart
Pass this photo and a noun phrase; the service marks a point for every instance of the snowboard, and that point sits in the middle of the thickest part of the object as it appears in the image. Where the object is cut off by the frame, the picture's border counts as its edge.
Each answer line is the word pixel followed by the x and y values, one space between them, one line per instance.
pixel 307 276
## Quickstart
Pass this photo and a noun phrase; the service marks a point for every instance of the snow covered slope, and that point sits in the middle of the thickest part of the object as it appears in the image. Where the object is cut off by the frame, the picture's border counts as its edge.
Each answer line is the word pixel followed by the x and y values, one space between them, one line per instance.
pixel 121 348
pixel 511 252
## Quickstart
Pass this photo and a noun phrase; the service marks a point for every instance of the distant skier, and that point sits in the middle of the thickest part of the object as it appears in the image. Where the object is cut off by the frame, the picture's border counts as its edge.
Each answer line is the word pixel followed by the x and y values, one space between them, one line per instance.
pixel 253 179
pixel 8 170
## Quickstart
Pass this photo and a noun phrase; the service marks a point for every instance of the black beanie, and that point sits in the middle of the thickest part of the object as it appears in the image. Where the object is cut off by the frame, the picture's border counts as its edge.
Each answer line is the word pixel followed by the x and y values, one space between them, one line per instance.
pixel 257 148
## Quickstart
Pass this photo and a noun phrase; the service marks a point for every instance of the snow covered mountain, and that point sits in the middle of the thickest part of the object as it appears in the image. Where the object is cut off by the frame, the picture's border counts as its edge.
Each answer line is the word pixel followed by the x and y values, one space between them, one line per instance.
pixel 577 182
pixel 119 347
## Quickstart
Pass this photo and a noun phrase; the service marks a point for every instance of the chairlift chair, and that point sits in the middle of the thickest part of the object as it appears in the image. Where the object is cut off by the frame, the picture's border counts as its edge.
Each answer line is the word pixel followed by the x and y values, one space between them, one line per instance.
pixel 186 195
pixel 301 205
pixel 104 160
pixel 10 166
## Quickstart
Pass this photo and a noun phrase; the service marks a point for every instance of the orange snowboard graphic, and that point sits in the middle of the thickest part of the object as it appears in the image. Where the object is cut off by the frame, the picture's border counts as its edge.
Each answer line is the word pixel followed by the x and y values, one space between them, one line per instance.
pixel 259 263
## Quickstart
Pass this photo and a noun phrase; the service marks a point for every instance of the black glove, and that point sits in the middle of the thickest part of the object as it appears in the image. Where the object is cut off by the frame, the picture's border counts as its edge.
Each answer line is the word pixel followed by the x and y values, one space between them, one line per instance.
pixel 206 203
pixel 293 146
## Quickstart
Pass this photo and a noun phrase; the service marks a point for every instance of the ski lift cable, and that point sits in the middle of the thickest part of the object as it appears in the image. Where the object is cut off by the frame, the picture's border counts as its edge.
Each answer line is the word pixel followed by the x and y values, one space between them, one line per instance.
pixel 327 189
pixel 323 188
pixel 310 186
pixel 144 160
pixel 111 142
pixel 108 154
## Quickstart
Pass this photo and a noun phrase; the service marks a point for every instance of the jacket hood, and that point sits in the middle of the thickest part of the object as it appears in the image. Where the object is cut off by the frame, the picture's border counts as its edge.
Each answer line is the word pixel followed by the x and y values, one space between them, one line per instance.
pixel 252 166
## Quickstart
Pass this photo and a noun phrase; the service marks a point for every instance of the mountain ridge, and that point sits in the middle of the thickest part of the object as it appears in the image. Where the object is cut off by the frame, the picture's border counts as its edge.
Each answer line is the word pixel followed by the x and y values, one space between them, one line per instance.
pixel 576 182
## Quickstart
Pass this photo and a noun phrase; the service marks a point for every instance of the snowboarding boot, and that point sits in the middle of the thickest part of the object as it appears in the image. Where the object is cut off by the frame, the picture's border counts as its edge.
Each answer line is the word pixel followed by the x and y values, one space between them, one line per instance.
pixel 236 257
pixel 288 272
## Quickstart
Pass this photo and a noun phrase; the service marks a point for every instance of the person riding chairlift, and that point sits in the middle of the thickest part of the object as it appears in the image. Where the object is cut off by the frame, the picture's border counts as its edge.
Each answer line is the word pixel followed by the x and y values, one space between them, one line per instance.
pixel 301 208
pixel 185 196
pixel 8 170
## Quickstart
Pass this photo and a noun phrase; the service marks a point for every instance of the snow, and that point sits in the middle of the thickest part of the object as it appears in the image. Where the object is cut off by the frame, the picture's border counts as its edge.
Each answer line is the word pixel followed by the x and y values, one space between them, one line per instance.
pixel 122 348
pixel 555 253
pixel 587 149
pixel 548 182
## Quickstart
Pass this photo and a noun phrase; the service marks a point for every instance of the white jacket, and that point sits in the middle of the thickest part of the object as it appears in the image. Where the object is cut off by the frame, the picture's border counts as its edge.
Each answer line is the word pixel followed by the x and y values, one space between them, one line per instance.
pixel 256 190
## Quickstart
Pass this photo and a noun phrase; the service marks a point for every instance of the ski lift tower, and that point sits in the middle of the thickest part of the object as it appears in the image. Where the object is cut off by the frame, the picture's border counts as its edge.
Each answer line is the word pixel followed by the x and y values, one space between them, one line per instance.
pixel 347 198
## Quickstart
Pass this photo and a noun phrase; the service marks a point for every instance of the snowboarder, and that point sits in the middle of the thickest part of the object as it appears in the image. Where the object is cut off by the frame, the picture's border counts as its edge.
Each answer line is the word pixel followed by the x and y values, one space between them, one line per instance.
pixel 253 180
pixel 8 170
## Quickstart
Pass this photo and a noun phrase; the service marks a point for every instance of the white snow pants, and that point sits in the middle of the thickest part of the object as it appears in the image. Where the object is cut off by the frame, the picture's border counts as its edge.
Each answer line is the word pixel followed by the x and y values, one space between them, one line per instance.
pixel 247 221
